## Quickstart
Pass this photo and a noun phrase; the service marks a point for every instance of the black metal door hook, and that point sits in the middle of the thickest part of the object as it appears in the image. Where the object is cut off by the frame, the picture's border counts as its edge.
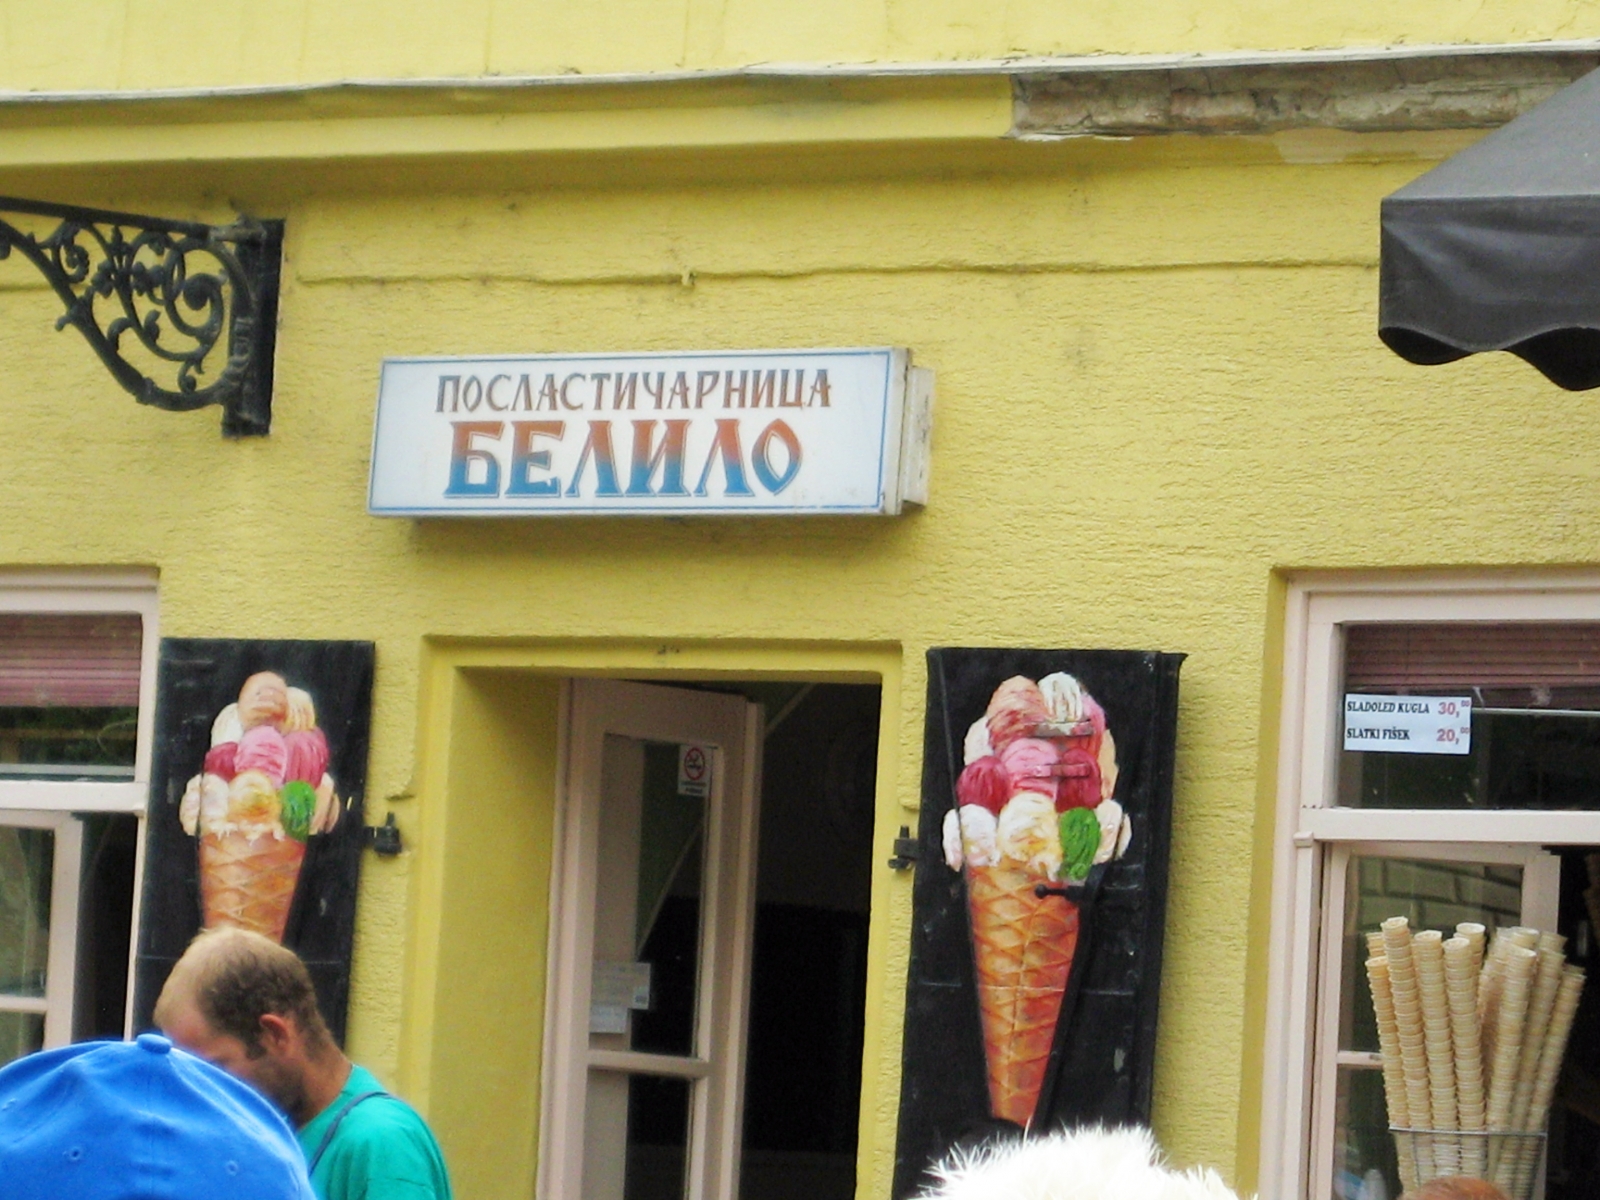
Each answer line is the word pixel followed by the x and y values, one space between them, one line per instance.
pixel 385 839
pixel 905 850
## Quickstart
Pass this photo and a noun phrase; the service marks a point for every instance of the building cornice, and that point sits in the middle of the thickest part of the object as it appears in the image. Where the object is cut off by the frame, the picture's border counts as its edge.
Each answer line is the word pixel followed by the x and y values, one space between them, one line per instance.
pixel 1396 93
pixel 1410 97
pixel 1475 67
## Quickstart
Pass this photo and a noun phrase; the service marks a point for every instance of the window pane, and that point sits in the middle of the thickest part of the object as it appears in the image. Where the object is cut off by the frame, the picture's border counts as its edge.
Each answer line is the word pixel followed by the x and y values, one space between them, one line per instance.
pixel 69 694
pixel 1431 894
pixel 1364 1166
pixel 26 858
pixel 1528 759
pixel 1501 664
pixel 20 1033
pixel 105 925
pixel 647 907
pixel 636 1137
pixel 67 743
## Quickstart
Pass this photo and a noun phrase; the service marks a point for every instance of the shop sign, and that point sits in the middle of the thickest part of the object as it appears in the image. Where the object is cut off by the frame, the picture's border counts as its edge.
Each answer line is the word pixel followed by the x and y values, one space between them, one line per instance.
pixel 752 432
pixel 1408 724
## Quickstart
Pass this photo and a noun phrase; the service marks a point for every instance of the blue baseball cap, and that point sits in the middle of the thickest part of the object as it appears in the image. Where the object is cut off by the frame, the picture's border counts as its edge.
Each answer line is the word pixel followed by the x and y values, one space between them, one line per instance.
pixel 140 1121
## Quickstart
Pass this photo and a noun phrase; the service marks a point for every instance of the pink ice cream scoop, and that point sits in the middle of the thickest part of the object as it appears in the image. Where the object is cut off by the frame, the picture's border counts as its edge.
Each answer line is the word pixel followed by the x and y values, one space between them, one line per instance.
pixel 1096 716
pixel 1080 780
pixel 1032 763
pixel 1016 709
pixel 263 749
pixel 985 783
pixel 307 756
pixel 220 760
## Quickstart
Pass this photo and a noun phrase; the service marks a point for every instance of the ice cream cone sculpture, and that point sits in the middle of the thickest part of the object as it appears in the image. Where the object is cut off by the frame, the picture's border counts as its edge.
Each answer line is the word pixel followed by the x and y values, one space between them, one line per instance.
pixel 1471 1052
pixel 1034 806
pixel 263 790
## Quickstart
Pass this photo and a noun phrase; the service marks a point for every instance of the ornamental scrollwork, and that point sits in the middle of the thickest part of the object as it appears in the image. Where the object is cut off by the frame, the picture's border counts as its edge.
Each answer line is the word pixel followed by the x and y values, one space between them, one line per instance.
pixel 182 314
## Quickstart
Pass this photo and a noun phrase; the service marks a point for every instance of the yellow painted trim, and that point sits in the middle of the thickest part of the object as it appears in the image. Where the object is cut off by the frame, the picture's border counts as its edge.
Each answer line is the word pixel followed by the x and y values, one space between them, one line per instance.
pixel 257 130
pixel 1247 1144
pixel 435 706
pixel 445 662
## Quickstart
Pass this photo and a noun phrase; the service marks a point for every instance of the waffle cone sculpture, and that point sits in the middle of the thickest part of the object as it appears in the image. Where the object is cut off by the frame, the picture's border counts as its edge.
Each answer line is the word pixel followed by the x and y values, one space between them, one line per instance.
pixel 1034 808
pixel 249 882
pixel 261 793
pixel 1023 947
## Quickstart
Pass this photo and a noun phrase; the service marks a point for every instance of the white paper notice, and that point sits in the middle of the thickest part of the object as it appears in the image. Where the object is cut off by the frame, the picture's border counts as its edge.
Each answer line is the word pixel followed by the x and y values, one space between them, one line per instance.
pixel 1408 724
pixel 617 987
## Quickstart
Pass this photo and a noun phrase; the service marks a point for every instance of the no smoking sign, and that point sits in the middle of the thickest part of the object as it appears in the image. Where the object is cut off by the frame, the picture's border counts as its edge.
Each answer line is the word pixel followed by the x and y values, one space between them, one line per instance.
pixel 694 770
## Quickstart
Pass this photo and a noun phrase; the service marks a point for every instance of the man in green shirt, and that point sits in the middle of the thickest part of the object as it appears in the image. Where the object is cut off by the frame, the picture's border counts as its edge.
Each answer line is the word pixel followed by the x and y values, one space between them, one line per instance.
pixel 247 1004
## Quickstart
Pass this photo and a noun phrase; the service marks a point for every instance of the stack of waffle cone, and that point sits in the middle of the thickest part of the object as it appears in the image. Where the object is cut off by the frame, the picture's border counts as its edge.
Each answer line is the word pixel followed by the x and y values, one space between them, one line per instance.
pixel 1428 953
pixel 1548 1071
pixel 1546 982
pixel 1471 1045
pixel 1394 1079
pixel 248 881
pixel 1023 946
pixel 1510 1014
pixel 1408 1022
pixel 1461 987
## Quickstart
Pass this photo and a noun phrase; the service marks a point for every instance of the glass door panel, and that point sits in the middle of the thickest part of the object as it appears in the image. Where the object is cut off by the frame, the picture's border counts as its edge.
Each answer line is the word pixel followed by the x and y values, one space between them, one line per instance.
pixel 655 901
pixel 26 859
pixel 651 1160
pixel 647 902
pixel 38 920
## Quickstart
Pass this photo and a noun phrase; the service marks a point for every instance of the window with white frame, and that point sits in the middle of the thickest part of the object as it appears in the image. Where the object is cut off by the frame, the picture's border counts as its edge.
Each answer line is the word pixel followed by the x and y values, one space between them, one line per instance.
pixel 1506 832
pixel 77 658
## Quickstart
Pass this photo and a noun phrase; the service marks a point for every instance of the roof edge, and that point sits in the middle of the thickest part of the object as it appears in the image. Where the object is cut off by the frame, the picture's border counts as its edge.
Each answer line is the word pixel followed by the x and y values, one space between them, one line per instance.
pixel 1017 68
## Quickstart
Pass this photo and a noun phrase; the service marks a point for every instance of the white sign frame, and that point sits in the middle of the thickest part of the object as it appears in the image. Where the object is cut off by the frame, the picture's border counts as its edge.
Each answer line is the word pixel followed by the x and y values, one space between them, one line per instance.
pixel 520 436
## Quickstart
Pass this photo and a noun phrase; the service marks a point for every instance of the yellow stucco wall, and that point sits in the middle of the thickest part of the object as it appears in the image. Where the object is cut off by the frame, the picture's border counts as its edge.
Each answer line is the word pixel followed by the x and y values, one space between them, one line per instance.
pixel 89 44
pixel 1158 383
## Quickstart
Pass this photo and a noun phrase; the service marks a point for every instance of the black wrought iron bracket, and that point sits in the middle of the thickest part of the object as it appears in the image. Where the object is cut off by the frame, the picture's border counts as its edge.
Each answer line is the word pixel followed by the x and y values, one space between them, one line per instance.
pixel 199 302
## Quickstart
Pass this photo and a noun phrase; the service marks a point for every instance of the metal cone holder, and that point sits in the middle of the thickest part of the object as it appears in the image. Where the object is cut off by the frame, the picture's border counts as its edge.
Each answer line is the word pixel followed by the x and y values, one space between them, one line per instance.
pixel 1509 1160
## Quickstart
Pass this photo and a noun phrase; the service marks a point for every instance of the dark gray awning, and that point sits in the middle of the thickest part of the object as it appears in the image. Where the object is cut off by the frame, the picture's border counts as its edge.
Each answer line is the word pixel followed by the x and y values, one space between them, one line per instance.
pixel 1498 248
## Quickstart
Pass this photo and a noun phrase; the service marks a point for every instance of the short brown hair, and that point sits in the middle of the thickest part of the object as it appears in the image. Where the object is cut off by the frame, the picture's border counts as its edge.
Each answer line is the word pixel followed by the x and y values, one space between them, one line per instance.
pixel 236 977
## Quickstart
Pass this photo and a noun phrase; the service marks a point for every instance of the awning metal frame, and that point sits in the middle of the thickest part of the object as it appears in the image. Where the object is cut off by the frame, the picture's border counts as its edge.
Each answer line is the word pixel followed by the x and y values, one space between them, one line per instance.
pixel 191 295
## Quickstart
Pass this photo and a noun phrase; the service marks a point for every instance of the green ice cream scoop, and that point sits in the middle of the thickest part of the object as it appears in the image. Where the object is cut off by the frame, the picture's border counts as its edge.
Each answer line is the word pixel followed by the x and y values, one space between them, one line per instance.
pixel 299 800
pixel 1080 840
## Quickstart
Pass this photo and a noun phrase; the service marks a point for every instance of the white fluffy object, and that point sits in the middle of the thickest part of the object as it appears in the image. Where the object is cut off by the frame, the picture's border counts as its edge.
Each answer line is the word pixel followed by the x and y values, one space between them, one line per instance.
pixel 1086 1164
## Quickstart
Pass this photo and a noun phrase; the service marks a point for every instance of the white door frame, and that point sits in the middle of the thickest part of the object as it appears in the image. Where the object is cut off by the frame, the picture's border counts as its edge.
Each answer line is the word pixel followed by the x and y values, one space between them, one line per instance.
pixel 591 709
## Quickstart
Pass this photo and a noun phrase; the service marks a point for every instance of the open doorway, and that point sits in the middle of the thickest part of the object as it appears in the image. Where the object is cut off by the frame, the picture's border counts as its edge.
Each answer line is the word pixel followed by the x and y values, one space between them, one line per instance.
pixel 809 967
pixel 711 942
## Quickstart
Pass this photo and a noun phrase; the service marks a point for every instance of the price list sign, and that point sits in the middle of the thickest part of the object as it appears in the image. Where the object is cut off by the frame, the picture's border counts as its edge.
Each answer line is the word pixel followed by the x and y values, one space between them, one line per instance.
pixel 1408 724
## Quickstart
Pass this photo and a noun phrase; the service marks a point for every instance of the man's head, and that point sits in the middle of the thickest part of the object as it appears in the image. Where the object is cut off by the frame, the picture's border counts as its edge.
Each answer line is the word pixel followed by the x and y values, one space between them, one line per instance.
pixel 246 1004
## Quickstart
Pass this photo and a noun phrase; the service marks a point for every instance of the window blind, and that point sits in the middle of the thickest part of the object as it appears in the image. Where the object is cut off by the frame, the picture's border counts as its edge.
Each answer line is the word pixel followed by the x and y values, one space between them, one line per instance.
pixel 77 660
pixel 1468 654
